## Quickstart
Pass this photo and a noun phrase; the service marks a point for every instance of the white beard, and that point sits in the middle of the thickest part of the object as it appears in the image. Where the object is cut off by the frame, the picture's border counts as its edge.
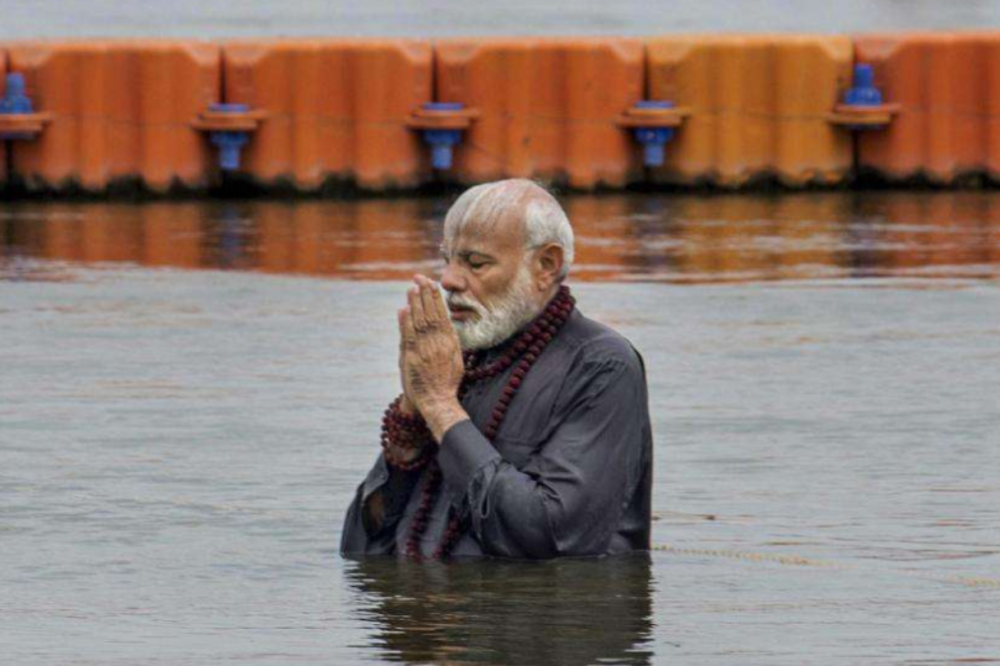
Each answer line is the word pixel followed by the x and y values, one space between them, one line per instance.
pixel 503 319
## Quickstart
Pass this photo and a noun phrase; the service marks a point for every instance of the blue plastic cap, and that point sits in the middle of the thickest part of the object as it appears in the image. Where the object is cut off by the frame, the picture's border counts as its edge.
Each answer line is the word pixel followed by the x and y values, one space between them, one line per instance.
pixel 14 100
pixel 443 106
pixel 228 108
pixel 863 92
pixel 15 84
pixel 654 104
pixel 864 76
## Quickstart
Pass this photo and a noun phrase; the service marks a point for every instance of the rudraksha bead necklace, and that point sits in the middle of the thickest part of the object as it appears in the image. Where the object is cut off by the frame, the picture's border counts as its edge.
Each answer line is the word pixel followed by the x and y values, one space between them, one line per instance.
pixel 402 431
pixel 524 352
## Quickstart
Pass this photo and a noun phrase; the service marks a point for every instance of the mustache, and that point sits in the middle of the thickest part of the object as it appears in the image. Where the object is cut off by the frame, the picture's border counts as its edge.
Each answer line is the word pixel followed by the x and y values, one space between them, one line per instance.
pixel 459 301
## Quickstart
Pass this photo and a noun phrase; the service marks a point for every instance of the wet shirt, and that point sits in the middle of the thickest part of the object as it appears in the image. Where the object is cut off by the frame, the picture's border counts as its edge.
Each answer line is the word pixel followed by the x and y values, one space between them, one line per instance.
pixel 569 472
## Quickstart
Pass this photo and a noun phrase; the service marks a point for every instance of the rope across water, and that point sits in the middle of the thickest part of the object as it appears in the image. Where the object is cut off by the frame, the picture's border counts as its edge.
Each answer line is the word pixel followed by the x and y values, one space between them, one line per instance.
pixel 800 561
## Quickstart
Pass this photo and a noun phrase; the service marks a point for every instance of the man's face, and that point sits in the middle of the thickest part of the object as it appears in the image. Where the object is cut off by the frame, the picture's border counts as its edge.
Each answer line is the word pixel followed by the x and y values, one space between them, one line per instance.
pixel 489 283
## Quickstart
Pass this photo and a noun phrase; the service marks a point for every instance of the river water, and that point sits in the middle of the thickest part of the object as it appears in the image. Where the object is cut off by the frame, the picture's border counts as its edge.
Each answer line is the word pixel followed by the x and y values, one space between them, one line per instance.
pixel 190 392
pixel 446 18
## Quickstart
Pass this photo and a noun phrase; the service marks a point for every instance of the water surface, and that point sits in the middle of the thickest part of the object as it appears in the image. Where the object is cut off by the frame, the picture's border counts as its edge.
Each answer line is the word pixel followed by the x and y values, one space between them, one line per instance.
pixel 190 393
pixel 447 18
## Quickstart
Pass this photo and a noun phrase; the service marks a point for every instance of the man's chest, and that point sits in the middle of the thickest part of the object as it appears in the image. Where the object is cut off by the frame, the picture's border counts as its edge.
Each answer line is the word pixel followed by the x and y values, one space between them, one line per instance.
pixel 532 413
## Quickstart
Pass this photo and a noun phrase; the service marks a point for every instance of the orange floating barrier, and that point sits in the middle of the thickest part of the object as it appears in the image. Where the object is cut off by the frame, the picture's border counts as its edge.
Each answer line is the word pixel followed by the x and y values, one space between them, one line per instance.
pixel 332 110
pixel 948 95
pixel 120 111
pixel 305 115
pixel 759 106
pixel 547 108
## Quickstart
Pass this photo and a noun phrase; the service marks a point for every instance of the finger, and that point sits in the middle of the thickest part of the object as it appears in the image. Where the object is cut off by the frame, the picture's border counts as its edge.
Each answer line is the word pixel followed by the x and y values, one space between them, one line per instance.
pixel 406 332
pixel 416 310
pixel 440 306
pixel 427 290
pixel 401 318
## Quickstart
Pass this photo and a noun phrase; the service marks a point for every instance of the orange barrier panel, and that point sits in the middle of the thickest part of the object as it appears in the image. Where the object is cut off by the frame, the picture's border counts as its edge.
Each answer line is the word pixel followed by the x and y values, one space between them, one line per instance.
pixel 758 104
pixel 121 111
pixel 333 109
pixel 548 107
pixel 948 89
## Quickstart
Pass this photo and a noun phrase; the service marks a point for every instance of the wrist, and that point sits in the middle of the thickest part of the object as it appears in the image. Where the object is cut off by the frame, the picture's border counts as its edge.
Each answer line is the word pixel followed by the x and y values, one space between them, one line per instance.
pixel 406 407
pixel 442 416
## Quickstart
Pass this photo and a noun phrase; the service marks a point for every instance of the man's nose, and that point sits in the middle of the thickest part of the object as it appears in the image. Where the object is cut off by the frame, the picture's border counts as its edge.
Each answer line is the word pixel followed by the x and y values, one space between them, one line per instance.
pixel 452 279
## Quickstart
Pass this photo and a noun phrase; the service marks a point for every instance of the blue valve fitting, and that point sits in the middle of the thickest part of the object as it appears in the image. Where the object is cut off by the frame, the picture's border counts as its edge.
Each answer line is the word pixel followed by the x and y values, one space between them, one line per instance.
pixel 863 92
pixel 15 101
pixel 653 139
pixel 229 142
pixel 442 141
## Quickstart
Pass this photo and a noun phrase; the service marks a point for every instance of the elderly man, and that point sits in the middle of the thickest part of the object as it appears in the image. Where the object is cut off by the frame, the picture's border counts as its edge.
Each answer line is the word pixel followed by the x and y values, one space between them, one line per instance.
pixel 533 443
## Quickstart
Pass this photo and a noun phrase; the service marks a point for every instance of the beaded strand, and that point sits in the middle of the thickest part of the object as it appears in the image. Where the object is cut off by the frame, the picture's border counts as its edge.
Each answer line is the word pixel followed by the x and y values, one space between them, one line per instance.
pixel 401 431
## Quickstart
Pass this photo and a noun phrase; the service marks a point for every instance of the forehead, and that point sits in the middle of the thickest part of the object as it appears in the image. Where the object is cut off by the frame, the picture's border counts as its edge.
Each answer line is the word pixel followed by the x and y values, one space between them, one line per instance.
pixel 495 237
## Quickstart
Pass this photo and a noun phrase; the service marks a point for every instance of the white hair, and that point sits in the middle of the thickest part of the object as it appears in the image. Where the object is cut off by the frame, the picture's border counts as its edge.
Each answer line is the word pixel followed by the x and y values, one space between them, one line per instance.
pixel 545 221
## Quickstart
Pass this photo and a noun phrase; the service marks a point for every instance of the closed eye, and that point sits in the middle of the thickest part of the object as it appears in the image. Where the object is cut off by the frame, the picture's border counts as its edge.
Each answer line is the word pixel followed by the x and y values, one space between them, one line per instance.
pixel 474 260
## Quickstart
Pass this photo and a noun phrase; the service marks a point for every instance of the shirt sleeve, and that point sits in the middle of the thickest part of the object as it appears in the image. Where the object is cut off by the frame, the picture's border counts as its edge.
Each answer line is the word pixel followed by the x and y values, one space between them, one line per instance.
pixel 359 536
pixel 570 495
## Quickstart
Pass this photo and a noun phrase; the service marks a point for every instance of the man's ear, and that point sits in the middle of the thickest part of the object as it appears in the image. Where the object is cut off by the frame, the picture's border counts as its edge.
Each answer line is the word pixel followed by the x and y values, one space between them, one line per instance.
pixel 549 264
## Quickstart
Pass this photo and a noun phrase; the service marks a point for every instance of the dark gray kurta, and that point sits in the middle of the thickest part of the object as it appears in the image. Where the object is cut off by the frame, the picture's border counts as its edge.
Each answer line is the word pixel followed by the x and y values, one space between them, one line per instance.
pixel 569 472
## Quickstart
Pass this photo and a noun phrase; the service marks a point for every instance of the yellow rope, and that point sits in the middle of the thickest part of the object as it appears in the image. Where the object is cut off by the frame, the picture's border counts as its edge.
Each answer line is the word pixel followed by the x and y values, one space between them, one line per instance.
pixel 974 582
pixel 792 560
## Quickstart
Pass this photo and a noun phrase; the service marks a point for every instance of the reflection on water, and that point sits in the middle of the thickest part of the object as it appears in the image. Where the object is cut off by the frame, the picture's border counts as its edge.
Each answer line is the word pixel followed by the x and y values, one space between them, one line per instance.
pixel 569 612
pixel 680 239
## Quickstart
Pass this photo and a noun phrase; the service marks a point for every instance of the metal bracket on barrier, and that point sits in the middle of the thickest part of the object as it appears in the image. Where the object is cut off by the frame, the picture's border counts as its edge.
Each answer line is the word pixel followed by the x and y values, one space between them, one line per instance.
pixel 217 119
pixel 442 116
pixel 22 126
pixel 653 117
pixel 441 124
pixel 862 117
pixel 229 127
